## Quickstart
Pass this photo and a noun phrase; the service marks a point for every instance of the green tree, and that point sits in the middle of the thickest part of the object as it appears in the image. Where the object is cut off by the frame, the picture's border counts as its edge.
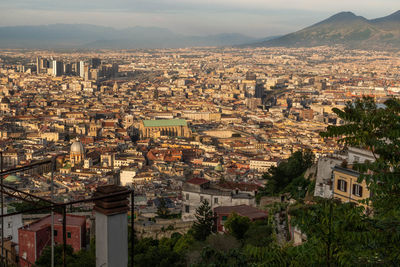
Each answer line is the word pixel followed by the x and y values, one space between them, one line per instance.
pixel 151 252
pixel 204 223
pixel 81 258
pixel 278 178
pixel 376 128
pixel 337 233
pixel 259 234
pixel 184 243
pixel 237 225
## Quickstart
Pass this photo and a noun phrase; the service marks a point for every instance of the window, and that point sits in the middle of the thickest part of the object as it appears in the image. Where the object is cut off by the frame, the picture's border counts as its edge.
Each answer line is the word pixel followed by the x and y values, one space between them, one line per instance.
pixel 342 185
pixel 356 159
pixel 187 196
pixel 357 190
pixel 201 198
pixel 224 218
pixel 69 234
pixel 215 200
pixel 187 208
pixel 55 232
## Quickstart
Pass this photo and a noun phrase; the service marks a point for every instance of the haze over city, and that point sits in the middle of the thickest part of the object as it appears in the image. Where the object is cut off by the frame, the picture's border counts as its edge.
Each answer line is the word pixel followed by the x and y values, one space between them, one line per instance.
pixel 256 18
pixel 196 133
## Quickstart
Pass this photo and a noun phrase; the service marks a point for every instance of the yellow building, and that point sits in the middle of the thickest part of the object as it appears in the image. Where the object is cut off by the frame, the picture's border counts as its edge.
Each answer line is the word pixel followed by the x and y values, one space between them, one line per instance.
pixel 157 128
pixel 346 188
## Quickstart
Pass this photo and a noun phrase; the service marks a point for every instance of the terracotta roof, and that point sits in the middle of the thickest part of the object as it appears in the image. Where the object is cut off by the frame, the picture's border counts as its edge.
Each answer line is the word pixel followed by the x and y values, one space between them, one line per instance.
pixel 242 210
pixel 197 181
pixel 240 186
pixel 72 220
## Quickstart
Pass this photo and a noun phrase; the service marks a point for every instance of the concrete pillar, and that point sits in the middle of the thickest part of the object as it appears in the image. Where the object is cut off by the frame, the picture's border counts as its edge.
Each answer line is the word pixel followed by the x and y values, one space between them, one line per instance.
pixel 111 227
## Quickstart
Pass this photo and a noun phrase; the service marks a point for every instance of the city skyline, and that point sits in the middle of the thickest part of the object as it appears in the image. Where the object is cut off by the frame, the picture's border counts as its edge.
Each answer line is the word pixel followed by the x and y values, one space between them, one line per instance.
pixel 262 18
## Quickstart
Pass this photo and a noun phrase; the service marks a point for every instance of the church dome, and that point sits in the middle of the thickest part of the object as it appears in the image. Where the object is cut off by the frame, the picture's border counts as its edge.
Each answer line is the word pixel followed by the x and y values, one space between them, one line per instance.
pixel 5 100
pixel 77 148
pixel 219 168
pixel 12 179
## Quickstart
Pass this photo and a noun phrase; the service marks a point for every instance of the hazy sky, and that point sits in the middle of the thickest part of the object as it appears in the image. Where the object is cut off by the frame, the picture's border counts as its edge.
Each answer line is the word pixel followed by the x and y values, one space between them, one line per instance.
pixel 258 18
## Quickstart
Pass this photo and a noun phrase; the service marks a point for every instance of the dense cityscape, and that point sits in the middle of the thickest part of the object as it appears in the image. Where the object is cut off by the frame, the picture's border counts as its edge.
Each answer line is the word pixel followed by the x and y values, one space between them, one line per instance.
pixel 178 127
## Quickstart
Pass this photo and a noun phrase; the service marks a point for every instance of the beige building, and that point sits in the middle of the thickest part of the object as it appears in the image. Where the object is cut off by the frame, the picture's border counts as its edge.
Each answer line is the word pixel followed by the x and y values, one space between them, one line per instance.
pixel 347 188
pixel 157 128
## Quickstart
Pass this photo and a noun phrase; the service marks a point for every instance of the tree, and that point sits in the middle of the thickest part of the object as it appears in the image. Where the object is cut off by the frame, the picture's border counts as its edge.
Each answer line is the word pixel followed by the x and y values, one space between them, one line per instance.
pixel 278 178
pixel 204 223
pixel 337 233
pixel 377 128
pixel 162 209
pixel 259 234
pixel 152 252
pixel 81 258
pixel 237 225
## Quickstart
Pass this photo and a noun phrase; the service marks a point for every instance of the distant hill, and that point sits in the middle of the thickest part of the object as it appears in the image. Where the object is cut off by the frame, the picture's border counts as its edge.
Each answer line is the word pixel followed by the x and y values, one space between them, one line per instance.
pixel 346 29
pixel 92 36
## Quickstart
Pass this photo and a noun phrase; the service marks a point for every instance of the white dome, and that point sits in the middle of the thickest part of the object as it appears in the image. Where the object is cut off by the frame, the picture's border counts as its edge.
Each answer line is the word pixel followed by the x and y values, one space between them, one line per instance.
pixel 77 148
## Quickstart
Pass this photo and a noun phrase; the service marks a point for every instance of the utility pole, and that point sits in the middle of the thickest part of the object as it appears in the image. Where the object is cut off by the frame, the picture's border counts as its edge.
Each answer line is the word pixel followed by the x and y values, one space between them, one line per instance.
pixel 2 209
pixel 52 211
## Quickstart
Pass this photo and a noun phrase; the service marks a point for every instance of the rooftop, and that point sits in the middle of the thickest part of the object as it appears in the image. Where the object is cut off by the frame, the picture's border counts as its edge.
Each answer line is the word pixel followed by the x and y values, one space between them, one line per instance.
pixel 242 210
pixel 164 123
pixel 72 220
pixel 197 181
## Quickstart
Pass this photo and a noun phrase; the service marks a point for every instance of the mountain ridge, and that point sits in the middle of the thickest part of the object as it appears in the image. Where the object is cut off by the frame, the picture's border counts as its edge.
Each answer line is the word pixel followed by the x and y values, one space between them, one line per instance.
pixel 87 35
pixel 347 29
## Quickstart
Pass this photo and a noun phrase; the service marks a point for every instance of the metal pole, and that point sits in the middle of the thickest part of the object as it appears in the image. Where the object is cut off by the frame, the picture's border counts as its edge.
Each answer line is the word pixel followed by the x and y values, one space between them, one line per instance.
pixel 52 212
pixel 2 209
pixel 132 228
pixel 64 211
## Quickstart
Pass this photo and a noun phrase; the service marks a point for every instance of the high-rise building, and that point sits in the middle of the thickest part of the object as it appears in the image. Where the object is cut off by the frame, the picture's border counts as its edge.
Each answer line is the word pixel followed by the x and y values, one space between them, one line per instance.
pixel 259 92
pixel 67 68
pixel 115 69
pixel 86 72
pixel 38 65
pixel 95 62
pixel 57 67
pixel 82 69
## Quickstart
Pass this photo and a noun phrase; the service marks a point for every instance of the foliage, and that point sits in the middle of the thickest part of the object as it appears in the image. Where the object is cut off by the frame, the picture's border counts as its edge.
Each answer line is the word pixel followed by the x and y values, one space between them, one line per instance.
pixel 237 225
pixel 298 187
pixel 212 257
pixel 259 234
pixel 81 258
pixel 278 178
pixel 184 243
pixel 151 252
pixel 223 242
pixel 24 206
pixel 339 233
pixel 204 223
pixel 162 209
pixel 377 128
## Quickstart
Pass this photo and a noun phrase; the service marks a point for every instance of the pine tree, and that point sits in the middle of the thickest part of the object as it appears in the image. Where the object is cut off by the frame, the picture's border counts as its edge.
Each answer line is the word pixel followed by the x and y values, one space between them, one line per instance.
pixel 204 223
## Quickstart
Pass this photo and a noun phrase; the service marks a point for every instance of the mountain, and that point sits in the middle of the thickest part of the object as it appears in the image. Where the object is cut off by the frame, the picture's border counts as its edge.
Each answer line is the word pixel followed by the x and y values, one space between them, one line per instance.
pixel 346 29
pixel 92 36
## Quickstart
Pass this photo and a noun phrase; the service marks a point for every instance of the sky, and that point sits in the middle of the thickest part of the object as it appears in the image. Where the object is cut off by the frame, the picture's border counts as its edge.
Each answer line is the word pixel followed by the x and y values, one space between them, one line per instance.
pixel 257 18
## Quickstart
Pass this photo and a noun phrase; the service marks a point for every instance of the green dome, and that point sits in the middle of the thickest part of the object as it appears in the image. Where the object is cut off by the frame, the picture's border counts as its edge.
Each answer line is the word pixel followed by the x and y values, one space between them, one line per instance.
pixel 219 168
pixel 12 179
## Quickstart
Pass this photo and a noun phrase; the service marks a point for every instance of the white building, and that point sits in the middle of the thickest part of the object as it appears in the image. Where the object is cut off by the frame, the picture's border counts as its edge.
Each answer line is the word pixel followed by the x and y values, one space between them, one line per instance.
pixel 126 176
pixel 196 190
pixel 11 225
pixel 261 165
